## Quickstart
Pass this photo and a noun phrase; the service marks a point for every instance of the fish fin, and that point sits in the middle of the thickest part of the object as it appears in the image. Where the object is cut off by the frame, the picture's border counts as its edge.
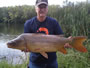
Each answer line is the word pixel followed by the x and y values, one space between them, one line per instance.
pixel 77 43
pixel 63 50
pixel 44 54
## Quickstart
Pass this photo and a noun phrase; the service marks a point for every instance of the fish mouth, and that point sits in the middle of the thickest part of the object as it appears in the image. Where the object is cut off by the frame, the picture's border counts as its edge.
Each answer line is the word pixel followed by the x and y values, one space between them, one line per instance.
pixel 14 45
pixel 10 44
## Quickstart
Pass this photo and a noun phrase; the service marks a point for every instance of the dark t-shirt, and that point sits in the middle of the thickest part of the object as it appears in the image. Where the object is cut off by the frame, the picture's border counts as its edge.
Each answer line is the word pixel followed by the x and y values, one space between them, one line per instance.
pixel 49 26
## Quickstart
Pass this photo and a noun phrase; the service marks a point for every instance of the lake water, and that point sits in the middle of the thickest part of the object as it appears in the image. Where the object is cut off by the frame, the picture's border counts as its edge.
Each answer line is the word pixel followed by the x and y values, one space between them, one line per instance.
pixel 11 55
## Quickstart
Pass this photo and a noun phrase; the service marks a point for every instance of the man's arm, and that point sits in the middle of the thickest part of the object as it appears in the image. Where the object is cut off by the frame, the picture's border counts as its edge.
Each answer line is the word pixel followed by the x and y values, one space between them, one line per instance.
pixel 26 30
pixel 27 27
pixel 58 31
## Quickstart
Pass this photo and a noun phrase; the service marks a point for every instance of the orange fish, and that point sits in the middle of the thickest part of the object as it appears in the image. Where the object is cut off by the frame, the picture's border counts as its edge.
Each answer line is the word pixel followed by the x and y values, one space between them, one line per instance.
pixel 43 29
pixel 41 43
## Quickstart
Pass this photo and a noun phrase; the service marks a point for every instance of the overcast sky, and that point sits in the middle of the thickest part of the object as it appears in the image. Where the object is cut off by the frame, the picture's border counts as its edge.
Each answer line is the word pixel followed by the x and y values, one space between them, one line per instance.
pixel 31 2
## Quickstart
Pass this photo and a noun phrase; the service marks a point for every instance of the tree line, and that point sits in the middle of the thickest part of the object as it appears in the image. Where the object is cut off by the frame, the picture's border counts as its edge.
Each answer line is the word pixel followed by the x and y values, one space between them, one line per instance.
pixel 74 19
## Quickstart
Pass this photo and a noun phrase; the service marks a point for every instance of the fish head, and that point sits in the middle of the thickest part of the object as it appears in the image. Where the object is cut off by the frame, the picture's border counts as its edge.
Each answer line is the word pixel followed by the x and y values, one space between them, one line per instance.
pixel 17 43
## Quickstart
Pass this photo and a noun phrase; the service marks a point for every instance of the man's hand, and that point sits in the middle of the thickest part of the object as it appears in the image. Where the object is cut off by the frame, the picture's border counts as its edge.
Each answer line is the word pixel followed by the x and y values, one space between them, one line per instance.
pixel 26 50
pixel 67 45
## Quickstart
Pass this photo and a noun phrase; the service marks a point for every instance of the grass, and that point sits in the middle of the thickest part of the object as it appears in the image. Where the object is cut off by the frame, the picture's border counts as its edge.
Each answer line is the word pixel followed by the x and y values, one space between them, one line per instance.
pixel 73 59
pixel 4 64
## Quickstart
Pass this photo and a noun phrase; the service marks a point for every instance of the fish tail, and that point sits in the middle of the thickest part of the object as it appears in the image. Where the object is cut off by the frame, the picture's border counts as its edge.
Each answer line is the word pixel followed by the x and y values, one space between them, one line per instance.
pixel 77 43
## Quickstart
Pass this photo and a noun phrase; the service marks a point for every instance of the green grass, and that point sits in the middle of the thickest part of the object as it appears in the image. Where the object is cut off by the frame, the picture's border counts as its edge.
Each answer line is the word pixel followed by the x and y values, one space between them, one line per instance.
pixel 4 64
pixel 73 59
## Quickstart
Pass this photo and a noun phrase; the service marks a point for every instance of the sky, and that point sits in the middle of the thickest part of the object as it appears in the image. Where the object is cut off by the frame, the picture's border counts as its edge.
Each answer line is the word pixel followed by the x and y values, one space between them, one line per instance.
pixel 5 3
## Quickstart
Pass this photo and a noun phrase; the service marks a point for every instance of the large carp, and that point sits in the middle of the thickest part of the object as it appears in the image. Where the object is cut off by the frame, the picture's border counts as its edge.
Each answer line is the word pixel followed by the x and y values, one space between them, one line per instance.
pixel 41 43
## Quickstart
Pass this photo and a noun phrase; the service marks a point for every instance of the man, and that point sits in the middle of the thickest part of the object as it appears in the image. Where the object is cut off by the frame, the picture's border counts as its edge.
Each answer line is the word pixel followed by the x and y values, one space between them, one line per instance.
pixel 42 24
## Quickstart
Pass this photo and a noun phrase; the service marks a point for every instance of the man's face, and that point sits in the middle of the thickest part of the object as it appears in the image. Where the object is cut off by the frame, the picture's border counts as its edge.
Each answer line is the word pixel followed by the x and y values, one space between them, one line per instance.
pixel 42 10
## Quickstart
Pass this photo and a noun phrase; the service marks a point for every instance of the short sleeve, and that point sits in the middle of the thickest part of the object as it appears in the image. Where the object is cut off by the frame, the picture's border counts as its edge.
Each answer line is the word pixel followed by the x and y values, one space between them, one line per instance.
pixel 57 29
pixel 27 27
